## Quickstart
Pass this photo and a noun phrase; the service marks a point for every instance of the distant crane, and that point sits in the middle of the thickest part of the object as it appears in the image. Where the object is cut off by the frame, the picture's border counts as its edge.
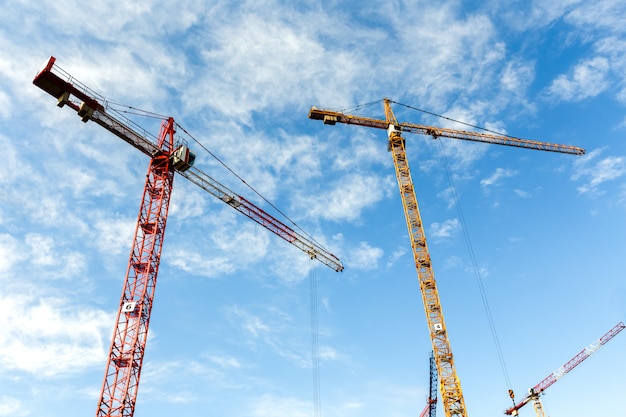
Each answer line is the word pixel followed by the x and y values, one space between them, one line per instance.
pixel 537 390
pixel 451 393
pixel 431 404
pixel 119 390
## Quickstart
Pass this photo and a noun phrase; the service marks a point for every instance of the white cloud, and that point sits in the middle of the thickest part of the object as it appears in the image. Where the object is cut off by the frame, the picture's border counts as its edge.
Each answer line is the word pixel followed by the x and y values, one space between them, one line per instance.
pixel 521 193
pixel 586 79
pixel 600 14
pixel 545 11
pixel 445 229
pixel 596 171
pixel 365 257
pixel 225 361
pixel 398 253
pixel 46 260
pixel 228 243
pixel 270 406
pixel 328 353
pixel 495 178
pixel 251 323
pixel 266 61
pixel 206 265
pixel 9 406
pixel 48 337
pixel 113 236
pixel 517 76
pixel 348 198
pixel 9 254
pixel 60 263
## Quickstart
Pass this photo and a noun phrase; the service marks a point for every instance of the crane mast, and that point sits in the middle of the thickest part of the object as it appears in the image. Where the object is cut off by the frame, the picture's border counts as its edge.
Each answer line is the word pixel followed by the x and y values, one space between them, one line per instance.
pixel 537 390
pixel 449 383
pixel 119 389
pixel 167 155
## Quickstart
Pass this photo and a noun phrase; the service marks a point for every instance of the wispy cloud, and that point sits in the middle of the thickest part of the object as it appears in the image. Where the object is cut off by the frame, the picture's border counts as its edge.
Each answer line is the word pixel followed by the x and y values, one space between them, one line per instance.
pixel 594 171
pixel 49 336
pixel 9 406
pixel 496 177
pixel 365 257
pixel 345 200
pixel 587 79
pixel 445 229
pixel 225 361
pixel 271 406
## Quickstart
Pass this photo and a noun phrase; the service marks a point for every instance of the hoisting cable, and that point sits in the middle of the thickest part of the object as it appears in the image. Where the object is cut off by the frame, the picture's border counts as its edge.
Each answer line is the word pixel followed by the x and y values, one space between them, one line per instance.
pixel 246 184
pixel 315 362
pixel 477 274
pixel 132 110
pixel 357 107
pixel 484 129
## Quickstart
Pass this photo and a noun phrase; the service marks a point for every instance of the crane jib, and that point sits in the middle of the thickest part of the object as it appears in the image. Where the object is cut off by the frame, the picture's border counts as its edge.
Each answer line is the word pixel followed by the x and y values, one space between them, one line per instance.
pixel 331 117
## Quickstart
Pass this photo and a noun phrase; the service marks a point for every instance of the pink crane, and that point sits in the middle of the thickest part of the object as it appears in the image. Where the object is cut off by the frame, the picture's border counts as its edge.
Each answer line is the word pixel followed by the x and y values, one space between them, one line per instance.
pixel 537 390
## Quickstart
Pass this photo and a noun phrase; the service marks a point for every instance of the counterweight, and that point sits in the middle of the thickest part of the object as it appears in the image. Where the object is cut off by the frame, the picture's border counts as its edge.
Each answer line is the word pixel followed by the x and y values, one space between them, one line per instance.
pixel 450 386
pixel 167 155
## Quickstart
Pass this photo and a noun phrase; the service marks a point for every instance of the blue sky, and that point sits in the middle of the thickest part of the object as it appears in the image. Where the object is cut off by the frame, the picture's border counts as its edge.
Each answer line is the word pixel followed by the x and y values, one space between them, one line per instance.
pixel 230 330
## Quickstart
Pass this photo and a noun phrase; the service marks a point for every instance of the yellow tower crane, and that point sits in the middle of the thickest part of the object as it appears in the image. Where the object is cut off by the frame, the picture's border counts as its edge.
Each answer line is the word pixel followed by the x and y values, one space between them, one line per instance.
pixel 450 386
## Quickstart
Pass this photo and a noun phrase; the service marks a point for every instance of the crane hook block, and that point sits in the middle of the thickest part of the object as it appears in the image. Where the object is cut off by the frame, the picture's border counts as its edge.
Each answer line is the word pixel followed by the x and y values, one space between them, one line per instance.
pixel 182 158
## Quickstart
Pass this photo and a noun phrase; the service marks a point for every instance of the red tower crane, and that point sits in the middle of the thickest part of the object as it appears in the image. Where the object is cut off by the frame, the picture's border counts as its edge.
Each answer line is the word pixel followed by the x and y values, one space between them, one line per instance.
pixel 168 155
pixel 537 390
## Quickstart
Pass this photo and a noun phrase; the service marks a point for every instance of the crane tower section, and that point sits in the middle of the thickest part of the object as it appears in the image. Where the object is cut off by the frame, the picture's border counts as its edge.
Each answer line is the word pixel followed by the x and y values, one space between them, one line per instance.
pixel 119 390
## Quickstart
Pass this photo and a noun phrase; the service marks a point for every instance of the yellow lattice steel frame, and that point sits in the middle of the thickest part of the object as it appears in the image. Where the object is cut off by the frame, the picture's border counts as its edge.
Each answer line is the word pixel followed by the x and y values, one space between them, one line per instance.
pixel 450 386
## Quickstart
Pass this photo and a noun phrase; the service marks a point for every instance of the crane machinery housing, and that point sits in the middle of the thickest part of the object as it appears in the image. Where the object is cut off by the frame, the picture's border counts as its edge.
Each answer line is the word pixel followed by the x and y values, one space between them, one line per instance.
pixel 168 155
pixel 537 390
pixel 449 383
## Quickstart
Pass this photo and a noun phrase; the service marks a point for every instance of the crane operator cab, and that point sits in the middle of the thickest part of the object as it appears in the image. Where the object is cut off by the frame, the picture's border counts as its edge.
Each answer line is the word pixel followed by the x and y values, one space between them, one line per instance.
pixel 182 158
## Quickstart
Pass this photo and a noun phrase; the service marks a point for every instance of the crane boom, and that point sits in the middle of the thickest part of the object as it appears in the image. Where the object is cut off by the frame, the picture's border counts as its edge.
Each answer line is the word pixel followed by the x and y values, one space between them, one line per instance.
pixel 538 389
pixel 257 214
pixel 92 106
pixel 450 385
pixel 118 395
pixel 331 117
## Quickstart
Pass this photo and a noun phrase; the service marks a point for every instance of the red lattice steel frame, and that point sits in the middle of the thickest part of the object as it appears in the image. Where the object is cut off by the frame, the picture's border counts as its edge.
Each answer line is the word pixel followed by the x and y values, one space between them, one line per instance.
pixel 119 390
